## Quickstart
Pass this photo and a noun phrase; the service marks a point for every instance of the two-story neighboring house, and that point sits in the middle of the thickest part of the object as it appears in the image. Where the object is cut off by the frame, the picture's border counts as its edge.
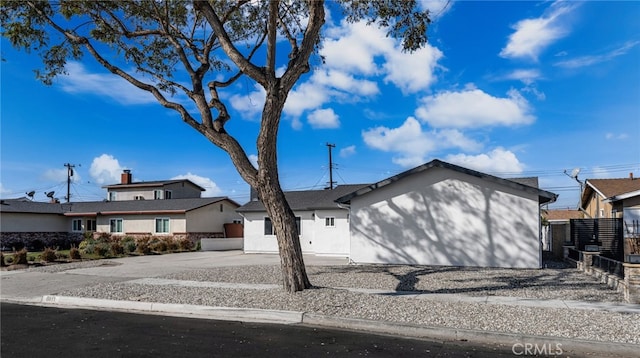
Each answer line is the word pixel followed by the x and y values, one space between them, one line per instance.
pixel 169 207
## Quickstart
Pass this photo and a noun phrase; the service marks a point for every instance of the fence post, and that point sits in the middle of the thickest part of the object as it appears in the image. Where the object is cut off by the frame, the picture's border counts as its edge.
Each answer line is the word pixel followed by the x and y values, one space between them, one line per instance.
pixel 587 261
pixel 632 282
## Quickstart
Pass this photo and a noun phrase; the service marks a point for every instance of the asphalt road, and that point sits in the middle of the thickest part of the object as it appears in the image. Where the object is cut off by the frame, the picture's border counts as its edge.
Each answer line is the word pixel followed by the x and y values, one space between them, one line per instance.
pixel 33 331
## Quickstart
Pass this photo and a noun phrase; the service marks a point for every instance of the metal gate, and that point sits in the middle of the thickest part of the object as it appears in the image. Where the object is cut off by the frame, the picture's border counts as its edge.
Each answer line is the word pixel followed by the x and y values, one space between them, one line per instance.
pixel 606 233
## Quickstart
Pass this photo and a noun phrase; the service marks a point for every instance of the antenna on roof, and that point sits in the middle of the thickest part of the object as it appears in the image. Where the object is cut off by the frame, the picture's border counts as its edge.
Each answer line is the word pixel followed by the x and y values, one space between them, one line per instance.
pixel 574 174
pixel 31 194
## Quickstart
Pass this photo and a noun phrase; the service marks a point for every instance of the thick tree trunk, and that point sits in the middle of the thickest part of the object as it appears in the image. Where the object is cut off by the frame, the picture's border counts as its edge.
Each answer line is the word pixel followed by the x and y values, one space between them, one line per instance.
pixel 294 275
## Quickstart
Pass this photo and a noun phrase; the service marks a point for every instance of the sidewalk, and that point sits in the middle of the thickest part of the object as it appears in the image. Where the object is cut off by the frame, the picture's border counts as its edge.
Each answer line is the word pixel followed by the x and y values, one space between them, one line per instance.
pixel 43 288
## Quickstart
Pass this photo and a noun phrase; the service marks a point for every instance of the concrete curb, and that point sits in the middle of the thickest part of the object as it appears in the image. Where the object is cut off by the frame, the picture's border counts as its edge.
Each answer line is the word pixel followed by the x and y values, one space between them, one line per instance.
pixel 183 310
pixel 474 336
pixel 312 319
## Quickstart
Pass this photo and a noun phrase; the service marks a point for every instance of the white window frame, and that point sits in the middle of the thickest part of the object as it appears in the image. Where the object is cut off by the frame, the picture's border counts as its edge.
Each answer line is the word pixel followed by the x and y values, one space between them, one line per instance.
pixel 116 220
pixel 158 194
pixel 168 194
pixel 330 221
pixel 162 220
pixel 113 196
pixel 76 225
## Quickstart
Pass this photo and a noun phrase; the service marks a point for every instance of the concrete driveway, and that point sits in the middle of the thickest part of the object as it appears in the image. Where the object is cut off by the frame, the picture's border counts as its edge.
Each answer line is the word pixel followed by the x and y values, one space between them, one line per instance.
pixel 35 283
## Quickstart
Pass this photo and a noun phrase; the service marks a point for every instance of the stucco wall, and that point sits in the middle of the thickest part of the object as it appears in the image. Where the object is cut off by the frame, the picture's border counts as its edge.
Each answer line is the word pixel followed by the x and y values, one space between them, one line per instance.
pixel 25 222
pixel 443 217
pixel 314 237
pixel 210 218
pixel 142 223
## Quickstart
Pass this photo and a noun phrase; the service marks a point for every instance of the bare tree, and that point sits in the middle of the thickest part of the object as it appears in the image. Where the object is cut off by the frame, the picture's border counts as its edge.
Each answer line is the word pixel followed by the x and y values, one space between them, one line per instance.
pixel 180 47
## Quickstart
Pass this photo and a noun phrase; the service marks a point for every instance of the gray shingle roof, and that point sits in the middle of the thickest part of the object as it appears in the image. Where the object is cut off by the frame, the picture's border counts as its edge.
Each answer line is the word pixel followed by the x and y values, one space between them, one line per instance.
pixel 124 206
pixel 153 183
pixel 308 199
pixel 543 196
pixel 27 206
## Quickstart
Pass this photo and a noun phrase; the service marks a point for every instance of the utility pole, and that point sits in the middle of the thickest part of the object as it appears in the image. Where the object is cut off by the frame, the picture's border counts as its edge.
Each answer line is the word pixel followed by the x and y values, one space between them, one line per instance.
pixel 69 175
pixel 331 182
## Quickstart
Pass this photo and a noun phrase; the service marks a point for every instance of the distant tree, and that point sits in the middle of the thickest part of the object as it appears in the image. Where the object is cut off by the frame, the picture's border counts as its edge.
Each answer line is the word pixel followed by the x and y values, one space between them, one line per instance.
pixel 199 48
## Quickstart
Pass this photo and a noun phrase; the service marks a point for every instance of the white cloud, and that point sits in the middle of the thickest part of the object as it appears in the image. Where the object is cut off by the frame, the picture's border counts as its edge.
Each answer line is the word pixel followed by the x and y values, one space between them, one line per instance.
pixel 60 175
pixel 408 141
pixel 526 76
pixel 352 47
pixel 254 160
pixel 3 190
pixel 474 108
pixel 612 136
pixel 323 118
pixel 437 8
pixel 412 145
pixel 250 105
pixel 412 72
pixel 348 151
pixel 585 61
pixel 497 161
pixel 211 188
pixel 306 96
pixel 532 36
pixel 79 80
pixel 105 169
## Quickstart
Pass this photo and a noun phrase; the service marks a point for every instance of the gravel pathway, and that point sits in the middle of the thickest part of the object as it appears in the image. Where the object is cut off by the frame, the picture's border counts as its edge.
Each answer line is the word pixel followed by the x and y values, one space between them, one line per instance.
pixel 327 298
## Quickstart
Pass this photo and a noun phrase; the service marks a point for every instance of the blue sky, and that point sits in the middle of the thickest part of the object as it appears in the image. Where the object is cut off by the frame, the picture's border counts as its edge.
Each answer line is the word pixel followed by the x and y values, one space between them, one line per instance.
pixel 508 88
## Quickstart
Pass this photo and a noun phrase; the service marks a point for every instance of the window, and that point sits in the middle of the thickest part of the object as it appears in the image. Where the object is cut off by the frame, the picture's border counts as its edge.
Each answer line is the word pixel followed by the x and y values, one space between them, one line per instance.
pixel 91 225
pixel 162 225
pixel 112 196
pixel 115 225
pixel 76 225
pixel 158 194
pixel 268 226
pixel 167 194
pixel 330 221
pixel 221 208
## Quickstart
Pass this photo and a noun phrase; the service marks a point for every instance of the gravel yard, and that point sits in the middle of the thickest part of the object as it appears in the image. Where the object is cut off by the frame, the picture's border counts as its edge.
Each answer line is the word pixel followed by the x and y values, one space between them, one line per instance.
pixel 330 298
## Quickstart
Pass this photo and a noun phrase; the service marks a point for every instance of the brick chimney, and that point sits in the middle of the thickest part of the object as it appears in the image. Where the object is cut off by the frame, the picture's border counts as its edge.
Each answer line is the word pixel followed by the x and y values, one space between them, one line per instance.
pixel 125 178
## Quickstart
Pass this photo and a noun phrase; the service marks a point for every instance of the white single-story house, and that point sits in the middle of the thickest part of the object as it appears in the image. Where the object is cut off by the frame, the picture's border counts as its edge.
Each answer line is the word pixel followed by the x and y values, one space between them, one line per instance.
pixel 435 214
pixel 323 224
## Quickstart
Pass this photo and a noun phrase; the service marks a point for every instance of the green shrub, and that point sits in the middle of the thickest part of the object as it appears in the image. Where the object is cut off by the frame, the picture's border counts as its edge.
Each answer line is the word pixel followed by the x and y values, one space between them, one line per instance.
pixel 48 255
pixel 74 254
pixel 172 244
pixel 86 245
pixel 20 257
pixel 198 246
pixel 128 244
pixel 158 245
pixel 185 244
pixel 102 249
pixel 116 248
pixel 142 245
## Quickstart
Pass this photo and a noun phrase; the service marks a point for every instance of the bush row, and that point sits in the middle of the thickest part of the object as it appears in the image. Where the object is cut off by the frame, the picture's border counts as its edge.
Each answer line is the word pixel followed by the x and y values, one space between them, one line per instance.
pixel 106 245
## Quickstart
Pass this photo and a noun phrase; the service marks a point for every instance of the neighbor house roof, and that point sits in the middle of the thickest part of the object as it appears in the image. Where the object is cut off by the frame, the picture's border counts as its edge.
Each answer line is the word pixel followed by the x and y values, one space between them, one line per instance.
pixel 155 183
pixel 308 199
pixel 92 208
pixel 608 188
pixel 28 206
pixel 563 214
pixel 543 196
